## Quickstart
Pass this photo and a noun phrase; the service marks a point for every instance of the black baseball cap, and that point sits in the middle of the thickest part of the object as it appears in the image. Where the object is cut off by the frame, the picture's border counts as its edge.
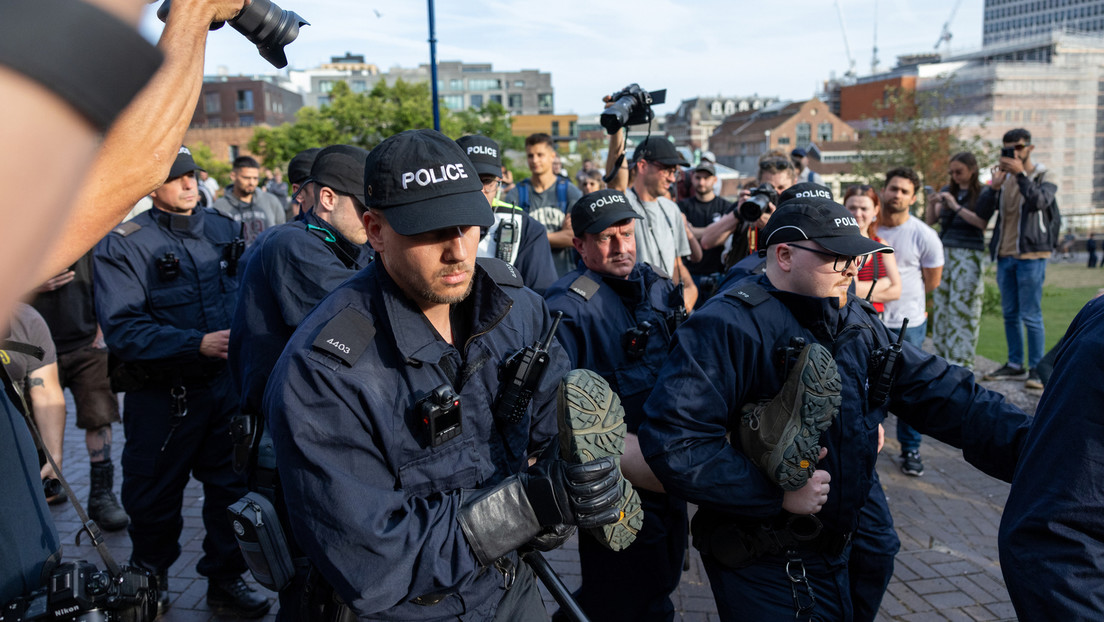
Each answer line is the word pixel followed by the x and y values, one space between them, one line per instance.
pixel 183 164
pixel 805 190
pixel 300 166
pixel 423 181
pixel 798 153
pixel 340 168
pixel 483 153
pixel 706 167
pixel 659 149
pixel 595 212
pixel 822 221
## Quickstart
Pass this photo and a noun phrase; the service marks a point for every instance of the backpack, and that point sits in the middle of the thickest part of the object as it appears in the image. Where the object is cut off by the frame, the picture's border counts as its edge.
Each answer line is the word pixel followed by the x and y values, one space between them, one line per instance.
pixel 524 185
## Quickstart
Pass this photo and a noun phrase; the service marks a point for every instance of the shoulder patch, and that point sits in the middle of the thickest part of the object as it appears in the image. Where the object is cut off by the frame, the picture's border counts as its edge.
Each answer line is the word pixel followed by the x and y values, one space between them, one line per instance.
pixel 584 286
pixel 749 293
pixel 659 271
pixel 346 336
pixel 126 228
pixel 502 272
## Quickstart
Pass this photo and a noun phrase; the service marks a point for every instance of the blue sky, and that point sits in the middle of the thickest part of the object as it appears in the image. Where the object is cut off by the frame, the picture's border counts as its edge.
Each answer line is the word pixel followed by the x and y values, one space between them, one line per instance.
pixel 703 47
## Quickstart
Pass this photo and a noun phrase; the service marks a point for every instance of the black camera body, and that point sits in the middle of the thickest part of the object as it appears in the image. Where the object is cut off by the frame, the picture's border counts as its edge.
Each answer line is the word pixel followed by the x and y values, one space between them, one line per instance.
pixel 635 340
pixel 632 105
pixel 753 208
pixel 81 592
pixel 264 23
pixel 439 414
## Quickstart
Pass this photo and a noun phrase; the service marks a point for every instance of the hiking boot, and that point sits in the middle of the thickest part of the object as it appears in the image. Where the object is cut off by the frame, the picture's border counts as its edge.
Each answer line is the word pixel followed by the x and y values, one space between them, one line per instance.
pixel 1007 372
pixel 592 426
pixel 103 506
pixel 235 596
pixel 911 463
pixel 782 435
pixel 1033 381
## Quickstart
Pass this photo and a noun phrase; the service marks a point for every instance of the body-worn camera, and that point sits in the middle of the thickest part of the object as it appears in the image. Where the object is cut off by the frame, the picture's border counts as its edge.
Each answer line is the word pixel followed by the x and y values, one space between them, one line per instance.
pixel 439 414
pixel 632 105
pixel 635 340
pixel 81 592
pixel 753 208
pixel 264 24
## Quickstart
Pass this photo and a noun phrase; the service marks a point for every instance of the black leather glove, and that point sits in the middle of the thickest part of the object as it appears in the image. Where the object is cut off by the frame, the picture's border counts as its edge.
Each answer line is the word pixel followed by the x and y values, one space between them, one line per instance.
pixel 574 494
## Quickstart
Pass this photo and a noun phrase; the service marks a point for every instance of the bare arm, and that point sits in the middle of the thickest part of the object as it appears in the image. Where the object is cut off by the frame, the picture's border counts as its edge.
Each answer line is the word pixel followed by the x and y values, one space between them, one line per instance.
pixel 615 165
pixel 689 290
pixel 719 231
pixel 965 214
pixel 141 145
pixel 932 277
pixel 695 246
pixel 888 287
pixel 635 469
pixel 563 237
pixel 48 402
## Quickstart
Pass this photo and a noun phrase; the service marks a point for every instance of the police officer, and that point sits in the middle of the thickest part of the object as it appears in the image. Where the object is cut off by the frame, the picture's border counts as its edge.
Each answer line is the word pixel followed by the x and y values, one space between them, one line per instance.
pixel 166 285
pixel 287 272
pixel 619 316
pixel 302 195
pixel 515 237
pixel 412 497
pixel 774 524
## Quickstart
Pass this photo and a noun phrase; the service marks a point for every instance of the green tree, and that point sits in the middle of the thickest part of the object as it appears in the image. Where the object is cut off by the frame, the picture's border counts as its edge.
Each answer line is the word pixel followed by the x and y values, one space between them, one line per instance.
pixel 206 160
pixel 920 130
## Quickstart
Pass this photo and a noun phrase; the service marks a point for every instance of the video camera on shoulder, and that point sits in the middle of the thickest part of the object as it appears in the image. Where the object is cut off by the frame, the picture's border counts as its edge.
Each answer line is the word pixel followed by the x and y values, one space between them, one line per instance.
pixel 81 592
pixel 632 105
pixel 753 208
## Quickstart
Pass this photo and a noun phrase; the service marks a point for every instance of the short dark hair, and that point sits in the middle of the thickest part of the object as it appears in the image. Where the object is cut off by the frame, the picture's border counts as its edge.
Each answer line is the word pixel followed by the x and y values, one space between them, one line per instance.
pixel 1016 135
pixel 540 138
pixel 905 173
pixel 245 162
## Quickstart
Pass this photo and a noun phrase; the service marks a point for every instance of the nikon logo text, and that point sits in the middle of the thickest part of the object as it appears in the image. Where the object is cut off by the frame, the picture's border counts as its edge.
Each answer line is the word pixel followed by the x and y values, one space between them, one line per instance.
pixel 427 176
pixel 604 201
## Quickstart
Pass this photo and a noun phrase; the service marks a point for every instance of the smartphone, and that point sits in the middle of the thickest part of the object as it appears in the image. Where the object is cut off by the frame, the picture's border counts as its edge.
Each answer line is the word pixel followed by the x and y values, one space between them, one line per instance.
pixel 1008 152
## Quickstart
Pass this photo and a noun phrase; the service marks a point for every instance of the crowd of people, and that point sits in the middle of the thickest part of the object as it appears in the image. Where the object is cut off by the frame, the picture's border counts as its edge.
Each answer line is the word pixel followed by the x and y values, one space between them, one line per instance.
pixel 427 378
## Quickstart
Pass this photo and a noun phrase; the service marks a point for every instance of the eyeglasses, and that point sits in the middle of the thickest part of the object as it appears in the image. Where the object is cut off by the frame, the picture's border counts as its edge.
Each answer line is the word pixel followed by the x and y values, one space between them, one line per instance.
pixel 858 262
pixel 667 169
pixel 860 188
pixel 776 165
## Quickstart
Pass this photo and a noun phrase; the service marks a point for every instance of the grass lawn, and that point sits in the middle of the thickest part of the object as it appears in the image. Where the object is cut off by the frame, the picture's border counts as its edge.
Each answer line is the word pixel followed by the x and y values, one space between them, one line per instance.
pixel 1067 288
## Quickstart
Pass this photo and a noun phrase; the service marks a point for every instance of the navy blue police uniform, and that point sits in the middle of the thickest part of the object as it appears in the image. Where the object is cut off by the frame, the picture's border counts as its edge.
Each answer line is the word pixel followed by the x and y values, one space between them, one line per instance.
pixel 377 502
pixel 723 358
pixel 1051 533
pixel 600 315
pixel 163 281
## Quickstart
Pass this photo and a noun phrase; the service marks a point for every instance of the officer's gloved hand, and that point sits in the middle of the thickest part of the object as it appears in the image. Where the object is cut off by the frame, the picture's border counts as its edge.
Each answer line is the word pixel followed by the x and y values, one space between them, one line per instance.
pixel 551 538
pixel 574 494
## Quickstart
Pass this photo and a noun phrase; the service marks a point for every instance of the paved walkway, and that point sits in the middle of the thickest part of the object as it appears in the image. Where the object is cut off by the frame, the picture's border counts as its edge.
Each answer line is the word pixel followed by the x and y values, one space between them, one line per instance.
pixel 947 521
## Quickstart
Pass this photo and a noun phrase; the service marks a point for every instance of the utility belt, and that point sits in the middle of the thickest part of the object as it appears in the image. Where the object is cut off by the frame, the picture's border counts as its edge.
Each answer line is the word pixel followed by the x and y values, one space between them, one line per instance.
pixel 127 377
pixel 738 544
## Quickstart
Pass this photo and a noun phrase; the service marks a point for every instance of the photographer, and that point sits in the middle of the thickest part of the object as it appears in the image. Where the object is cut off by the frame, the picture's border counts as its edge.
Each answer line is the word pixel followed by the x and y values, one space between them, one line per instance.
pixel 701 210
pixel 737 232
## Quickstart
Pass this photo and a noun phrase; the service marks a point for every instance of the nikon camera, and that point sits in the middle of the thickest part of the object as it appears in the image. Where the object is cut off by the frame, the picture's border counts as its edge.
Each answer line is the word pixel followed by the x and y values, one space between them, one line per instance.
pixel 753 208
pixel 632 105
pixel 81 592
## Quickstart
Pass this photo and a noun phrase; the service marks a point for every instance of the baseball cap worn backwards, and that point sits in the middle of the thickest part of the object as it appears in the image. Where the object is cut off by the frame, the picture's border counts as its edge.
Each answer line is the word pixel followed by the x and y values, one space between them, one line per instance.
pixel 340 168
pixel 183 164
pixel 423 181
pixel 659 149
pixel 483 153
pixel 597 211
pixel 822 221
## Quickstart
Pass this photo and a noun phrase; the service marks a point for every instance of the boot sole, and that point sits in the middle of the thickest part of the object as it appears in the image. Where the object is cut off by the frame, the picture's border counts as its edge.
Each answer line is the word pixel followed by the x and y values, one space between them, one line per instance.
pixel 794 458
pixel 592 426
pixel 226 607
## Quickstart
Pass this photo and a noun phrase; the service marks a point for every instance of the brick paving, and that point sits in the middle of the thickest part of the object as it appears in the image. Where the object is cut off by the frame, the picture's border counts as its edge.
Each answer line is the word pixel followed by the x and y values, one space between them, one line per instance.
pixel 947 521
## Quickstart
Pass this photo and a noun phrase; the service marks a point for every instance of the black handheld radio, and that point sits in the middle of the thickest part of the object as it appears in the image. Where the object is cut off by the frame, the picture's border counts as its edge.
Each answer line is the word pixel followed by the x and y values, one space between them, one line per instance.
pixel 883 363
pixel 520 375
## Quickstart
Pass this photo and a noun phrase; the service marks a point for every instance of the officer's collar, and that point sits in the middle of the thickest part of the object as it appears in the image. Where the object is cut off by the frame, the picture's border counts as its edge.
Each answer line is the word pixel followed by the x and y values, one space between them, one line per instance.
pixel 819 315
pixel 630 288
pixel 415 337
pixel 348 252
pixel 181 223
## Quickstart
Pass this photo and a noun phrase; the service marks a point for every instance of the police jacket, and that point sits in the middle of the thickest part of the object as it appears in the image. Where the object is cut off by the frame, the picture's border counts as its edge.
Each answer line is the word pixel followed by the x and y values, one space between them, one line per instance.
pixel 723 358
pixel 1039 216
pixel 532 255
pixel 1052 530
pixel 596 331
pixel 154 308
pixel 288 270
pixel 374 505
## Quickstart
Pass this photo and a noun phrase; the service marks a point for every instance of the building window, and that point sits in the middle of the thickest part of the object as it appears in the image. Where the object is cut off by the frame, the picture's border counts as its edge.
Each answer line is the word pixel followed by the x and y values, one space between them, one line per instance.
pixel 804 134
pixel 783 140
pixel 555 128
pixel 234 152
pixel 323 100
pixel 325 86
pixel 824 132
pixel 544 101
pixel 515 101
pixel 571 129
pixel 245 120
pixel 716 109
pixel 476 101
pixel 245 101
pixel 730 107
pixel 483 84
pixel 359 86
pixel 214 122
pixel 496 99
pixel 211 103
pixel 456 84
pixel 519 84
pixel 453 102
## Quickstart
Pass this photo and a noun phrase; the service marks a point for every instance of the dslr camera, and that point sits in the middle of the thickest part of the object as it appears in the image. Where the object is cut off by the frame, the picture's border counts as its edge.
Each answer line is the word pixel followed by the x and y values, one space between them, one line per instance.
pixel 632 105
pixel 264 23
pixel 81 592
pixel 753 208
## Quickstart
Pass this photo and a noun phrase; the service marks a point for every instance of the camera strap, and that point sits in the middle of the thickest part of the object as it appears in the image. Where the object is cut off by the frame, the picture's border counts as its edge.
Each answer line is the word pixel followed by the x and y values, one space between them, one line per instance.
pixel 87 525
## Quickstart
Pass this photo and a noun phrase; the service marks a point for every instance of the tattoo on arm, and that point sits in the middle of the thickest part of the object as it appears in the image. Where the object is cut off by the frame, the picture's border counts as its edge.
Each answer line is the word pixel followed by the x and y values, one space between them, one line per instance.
pixel 37 382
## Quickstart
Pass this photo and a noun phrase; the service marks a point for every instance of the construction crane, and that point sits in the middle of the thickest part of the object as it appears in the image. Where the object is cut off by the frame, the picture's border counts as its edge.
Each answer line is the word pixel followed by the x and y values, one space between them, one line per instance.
pixel 850 74
pixel 874 54
pixel 945 35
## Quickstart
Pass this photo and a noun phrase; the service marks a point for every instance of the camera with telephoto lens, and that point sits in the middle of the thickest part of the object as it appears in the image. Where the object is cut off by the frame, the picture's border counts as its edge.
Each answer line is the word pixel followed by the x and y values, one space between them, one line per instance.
pixel 81 592
pixel 265 24
pixel 632 105
pixel 753 208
